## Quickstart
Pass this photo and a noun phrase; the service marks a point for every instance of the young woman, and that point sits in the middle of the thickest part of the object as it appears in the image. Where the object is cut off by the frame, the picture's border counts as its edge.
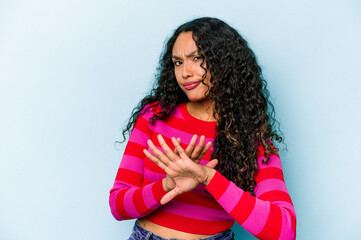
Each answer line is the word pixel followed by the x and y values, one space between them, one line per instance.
pixel 200 154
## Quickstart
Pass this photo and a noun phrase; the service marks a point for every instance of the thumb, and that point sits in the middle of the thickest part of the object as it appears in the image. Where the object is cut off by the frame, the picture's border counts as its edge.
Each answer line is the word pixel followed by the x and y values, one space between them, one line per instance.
pixel 170 195
pixel 212 164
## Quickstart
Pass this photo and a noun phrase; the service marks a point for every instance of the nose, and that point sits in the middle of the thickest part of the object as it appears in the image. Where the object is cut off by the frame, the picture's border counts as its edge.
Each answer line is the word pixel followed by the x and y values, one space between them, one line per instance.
pixel 187 70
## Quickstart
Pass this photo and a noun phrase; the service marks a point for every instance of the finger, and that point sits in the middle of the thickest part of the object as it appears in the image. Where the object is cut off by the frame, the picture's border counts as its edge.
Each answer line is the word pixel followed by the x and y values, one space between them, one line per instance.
pixel 191 145
pixel 180 150
pixel 212 164
pixel 196 152
pixel 168 151
pixel 155 159
pixel 158 153
pixel 170 195
pixel 205 149
pixel 175 150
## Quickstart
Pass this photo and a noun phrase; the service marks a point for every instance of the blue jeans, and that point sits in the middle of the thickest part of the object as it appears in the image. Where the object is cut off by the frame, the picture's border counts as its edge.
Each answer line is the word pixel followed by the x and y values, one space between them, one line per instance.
pixel 140 233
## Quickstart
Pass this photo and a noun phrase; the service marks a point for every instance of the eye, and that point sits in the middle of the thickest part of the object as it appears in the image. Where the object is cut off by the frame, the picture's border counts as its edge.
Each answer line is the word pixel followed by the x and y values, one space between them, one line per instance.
pixel 177 63
pixel 197 58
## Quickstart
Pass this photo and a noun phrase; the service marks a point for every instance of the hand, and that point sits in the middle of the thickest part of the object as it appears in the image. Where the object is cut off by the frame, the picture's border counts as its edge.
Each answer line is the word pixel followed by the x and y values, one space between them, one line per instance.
pixel 196 153
pixel 185 173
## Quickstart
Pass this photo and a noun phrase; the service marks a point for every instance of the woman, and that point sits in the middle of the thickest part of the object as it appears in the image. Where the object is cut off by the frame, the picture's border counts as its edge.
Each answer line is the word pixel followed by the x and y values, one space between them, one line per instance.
pixel 209 102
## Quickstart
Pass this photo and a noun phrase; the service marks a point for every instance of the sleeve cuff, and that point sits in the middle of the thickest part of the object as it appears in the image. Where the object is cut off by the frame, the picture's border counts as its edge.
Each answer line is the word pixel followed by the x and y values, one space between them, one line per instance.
pixel 158 190
pixel 218 185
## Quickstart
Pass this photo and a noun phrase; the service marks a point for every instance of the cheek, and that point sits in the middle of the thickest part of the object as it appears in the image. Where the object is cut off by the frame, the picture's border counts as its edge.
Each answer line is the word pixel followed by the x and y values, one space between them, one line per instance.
pixel 178 77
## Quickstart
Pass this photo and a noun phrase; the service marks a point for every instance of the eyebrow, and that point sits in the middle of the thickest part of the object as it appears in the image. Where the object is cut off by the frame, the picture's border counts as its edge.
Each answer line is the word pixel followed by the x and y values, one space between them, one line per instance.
pixel 187 55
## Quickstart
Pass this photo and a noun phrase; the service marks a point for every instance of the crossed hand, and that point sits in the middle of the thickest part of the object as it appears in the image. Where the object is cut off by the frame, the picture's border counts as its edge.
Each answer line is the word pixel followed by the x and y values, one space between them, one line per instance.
pixel 182 167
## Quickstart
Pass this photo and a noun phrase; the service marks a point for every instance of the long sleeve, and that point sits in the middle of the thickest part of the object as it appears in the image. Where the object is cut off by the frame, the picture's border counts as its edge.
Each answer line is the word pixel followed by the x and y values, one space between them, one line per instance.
pixel 129 198
pixel 268 215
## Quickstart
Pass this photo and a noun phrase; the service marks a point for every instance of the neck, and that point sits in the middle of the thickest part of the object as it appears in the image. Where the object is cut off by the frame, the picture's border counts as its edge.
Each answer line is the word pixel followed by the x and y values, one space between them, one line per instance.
pixel 202 110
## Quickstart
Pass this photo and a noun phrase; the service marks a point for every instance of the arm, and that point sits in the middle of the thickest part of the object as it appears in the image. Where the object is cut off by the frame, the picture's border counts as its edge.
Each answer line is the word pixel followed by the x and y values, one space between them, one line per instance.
pixel 128 198
pixel 268 215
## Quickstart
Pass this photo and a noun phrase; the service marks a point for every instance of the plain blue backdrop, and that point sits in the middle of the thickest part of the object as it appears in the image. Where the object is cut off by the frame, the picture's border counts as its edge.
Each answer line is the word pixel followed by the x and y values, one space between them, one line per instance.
pixel 71 71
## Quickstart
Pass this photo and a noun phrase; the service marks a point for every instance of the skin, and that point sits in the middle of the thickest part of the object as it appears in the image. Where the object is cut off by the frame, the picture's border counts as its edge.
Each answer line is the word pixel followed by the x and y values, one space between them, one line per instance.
pixel 187 68
pixel 182 167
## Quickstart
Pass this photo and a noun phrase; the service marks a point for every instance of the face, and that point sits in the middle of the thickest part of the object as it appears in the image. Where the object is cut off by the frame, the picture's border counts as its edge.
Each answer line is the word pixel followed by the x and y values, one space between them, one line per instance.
pixel 187 68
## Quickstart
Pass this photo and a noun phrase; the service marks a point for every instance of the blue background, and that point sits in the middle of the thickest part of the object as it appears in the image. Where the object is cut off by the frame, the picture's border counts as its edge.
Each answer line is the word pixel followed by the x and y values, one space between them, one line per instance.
pixel 71 71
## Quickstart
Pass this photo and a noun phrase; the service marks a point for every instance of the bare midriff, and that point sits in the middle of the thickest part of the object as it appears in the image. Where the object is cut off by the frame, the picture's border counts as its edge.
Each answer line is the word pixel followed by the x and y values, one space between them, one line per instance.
pixel 168 232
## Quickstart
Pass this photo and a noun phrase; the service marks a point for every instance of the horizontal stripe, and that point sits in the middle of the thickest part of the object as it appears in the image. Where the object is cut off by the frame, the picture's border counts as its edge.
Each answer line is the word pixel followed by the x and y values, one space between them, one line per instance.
pixel 122 185
pixel 148 113
pixel 129 204
pixel 178 113
pixel 260 151
pixel 189 225
pixel 287 231
pixel 269 185
pixel 153 176
pixel 139 137
pixel 148 197
pixel 258 217
pixel 158 190
pixel 268 173
pixel 119 203
pixel 201 123
pixel 168 131
pixel 218 185
pixel 112 204
pixel 286 205
pixel 134 149
pixel 133 164
pixel 181 125
pixel 151 166
pixel 198 200
pixel 142 124
pixel 293 219
pixel 243 208
pixel 139 201
pixel 272 229
pixel 195 212
pixel 129 177
pixel 274 161
pixel 276 195
pixel 227 200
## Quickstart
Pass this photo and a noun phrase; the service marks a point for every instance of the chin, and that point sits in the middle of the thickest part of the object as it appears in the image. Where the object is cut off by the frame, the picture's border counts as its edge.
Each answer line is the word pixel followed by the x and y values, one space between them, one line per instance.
pixel 196 99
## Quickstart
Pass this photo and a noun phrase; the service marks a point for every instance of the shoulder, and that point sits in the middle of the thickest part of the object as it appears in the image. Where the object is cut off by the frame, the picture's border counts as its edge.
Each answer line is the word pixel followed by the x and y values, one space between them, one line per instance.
pixel 149 110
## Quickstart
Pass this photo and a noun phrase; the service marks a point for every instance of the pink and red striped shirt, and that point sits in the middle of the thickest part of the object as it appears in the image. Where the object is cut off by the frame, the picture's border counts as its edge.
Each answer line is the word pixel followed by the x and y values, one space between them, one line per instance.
pixel 138 187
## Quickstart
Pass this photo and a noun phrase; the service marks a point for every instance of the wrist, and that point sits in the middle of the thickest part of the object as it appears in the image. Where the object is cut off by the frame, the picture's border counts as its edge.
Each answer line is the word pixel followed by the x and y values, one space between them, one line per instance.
pixel 210 172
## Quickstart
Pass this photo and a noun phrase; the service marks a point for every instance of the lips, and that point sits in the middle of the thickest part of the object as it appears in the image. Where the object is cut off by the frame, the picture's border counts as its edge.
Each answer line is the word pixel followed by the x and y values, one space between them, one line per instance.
pixel 191 85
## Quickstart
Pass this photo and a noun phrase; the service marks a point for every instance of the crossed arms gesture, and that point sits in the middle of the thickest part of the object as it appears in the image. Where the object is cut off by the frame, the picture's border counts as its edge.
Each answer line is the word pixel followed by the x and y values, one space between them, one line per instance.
pixel 182 167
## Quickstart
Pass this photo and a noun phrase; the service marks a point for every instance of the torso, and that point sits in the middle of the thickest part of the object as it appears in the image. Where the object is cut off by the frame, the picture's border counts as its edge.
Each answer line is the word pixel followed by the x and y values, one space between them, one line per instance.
pixel 201 201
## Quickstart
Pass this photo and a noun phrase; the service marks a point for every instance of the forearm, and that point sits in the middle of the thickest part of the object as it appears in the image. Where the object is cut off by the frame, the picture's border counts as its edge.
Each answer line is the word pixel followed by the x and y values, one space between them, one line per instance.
pixel 264 217
pixel 135 202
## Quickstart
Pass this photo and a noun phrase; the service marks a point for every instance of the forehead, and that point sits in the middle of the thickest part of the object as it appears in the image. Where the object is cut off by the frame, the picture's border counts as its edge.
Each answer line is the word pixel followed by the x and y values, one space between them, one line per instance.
pixel 184 44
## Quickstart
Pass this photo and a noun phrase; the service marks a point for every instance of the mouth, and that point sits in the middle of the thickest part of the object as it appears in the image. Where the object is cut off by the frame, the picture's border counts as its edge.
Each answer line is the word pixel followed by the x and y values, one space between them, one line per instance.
pixel 191 85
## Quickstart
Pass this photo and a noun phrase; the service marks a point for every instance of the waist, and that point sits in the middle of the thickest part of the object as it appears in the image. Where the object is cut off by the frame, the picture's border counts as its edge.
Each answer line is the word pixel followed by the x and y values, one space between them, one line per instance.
pixel 145 228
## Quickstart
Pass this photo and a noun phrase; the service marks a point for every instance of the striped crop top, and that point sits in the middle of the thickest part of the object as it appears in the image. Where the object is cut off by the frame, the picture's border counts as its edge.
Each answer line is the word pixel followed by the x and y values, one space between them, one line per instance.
pixel 138 189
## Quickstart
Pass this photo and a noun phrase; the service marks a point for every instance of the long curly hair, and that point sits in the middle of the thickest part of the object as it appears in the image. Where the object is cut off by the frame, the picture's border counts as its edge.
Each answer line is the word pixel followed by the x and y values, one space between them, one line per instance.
pixel 244 114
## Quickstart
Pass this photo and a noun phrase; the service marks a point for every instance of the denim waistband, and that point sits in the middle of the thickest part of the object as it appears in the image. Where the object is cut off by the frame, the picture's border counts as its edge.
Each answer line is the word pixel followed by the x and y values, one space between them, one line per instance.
pixel 140 233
